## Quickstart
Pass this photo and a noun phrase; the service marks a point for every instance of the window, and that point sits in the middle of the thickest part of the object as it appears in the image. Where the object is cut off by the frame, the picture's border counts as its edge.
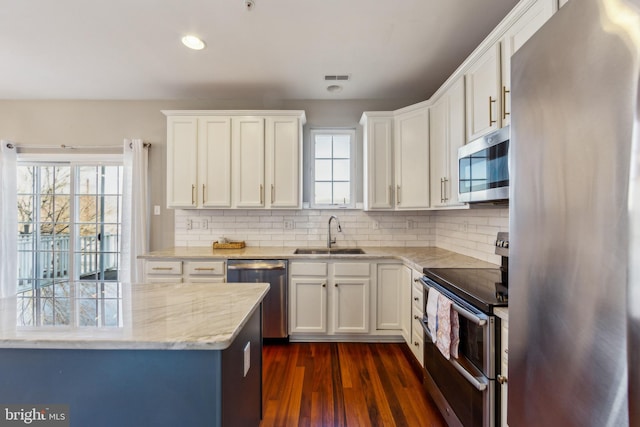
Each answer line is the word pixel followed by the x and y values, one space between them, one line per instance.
pixel 332 168
pixel 69 224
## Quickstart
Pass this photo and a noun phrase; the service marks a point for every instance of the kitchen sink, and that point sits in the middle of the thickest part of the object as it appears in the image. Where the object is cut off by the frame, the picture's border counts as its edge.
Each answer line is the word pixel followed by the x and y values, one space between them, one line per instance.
pixel 327 251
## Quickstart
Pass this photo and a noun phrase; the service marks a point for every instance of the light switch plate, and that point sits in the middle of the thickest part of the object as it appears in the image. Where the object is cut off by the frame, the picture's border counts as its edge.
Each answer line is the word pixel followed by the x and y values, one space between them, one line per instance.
pixel 247 358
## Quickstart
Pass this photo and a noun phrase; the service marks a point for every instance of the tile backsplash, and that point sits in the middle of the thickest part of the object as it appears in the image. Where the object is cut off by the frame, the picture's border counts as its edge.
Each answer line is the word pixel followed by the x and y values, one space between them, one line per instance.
pixel 470 232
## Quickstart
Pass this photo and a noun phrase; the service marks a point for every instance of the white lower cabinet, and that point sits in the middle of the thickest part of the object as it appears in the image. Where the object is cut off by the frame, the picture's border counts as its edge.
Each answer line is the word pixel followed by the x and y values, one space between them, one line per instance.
pixel 178 271
pixel 503 313
pixel 329 298
pixel 417 311
pixel 163 271
pixel 389 298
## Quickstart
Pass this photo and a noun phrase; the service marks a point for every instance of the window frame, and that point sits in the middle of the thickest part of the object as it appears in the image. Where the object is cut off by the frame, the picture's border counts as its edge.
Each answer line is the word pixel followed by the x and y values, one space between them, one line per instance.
pixel 351 132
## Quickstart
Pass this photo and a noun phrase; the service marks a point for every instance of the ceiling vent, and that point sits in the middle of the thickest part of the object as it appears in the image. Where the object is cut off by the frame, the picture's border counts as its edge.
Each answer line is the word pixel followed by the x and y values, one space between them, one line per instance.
pixel 337 77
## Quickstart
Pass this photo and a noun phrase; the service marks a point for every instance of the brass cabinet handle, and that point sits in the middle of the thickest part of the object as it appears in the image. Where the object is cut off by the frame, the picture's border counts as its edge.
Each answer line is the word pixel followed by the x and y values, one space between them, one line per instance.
pixel 441 190
pixel 193 198
pixel 415 316
pixel 502 379
pixel 416 299
pixel 162 268
pixel 491 101
pixel 505 91
pixel 204 269
pixel 397 194
pixel 273 194
pixel 417 279
pixel 203 194
pixel 416 343
pixel 324 285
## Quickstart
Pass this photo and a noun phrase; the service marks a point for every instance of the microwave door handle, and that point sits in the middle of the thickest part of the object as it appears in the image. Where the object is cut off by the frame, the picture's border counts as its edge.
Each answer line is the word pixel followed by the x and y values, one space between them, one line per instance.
pixel 480 383
pixel 479 320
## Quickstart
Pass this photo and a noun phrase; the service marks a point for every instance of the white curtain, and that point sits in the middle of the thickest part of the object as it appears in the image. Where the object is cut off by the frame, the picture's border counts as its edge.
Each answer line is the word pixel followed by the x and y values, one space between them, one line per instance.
pixel 135 210
pixel 8 221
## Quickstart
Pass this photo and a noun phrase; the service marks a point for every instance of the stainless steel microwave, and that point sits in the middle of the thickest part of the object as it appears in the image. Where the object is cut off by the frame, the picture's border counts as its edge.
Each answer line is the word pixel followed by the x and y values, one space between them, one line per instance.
pixel 483 168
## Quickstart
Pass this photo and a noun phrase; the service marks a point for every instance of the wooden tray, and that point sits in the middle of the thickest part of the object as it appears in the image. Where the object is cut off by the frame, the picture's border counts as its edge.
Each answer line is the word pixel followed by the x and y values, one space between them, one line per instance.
pixel 228 245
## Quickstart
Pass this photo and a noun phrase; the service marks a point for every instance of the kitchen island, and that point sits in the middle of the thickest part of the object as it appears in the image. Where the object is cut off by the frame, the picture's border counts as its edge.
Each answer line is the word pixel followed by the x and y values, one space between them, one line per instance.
pixel 169 355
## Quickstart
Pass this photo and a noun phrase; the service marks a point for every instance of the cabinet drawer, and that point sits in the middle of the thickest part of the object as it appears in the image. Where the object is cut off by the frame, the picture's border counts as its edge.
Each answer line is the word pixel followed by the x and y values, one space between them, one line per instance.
pixel 208 268
pixel 417 347
pixel 308 268
pixel 351 269
pixel 164 268
pixel 417 296
pixel 416 320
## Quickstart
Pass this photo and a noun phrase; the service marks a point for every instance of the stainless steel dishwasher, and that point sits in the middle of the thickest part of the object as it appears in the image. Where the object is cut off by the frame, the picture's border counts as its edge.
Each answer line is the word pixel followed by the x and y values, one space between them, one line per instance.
pixel 274 305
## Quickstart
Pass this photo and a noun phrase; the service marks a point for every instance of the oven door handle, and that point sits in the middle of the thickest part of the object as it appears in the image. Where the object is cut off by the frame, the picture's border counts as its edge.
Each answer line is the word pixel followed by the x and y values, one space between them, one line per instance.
pixel 480 383
pixel 478 319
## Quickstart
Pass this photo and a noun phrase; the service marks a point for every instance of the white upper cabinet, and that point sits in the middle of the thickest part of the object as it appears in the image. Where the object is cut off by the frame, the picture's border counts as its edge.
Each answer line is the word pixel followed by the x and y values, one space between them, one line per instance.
pixel 483 89
pixel 182 162
pixel 396 159
pixel 488 78
pixel 411 150
pixel 517 34
pixel 378 160
pixel 226 159
pixel 248 162
pixel 284 165
pixel 447 134
pixel 214 162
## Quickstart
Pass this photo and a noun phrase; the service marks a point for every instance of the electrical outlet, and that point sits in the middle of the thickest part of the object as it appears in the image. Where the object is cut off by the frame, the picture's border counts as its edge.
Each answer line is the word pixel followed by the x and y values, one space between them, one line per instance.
pixel 410 224
pixel 247 357
pixel 288 224
pixel 464 226
pixel 375 225
pixel 205 224
pixel 156 210
pixel 189 224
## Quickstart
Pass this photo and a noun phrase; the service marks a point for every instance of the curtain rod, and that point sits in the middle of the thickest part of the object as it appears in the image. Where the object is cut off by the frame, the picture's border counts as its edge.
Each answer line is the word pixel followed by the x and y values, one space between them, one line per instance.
pixel 69 147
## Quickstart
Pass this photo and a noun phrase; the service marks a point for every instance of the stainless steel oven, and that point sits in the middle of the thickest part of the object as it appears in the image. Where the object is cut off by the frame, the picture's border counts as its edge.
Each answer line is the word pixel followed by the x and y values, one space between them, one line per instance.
pixel 464 388
pixel 466 383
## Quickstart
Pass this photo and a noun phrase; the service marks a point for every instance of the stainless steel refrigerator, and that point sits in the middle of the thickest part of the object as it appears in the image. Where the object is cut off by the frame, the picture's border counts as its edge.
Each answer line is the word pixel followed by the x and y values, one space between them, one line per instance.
pixel 574 297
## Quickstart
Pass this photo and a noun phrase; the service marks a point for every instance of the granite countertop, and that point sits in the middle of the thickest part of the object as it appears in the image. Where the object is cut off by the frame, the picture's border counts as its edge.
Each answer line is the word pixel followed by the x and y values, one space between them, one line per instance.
pixel 414 257
pixel 188 316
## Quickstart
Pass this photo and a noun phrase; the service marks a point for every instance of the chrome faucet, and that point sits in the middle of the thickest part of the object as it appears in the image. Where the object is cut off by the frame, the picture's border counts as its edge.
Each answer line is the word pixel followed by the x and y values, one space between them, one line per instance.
pixel 329 240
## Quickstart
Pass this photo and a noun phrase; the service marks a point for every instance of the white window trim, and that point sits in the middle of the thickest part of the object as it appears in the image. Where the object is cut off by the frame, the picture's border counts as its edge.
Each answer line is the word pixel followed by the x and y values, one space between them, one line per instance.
pixel 352 184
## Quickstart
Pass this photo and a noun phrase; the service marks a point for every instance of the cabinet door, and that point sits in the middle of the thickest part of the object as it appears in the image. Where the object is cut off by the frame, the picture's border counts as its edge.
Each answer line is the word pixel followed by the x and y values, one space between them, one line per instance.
pixel 378 163
pixel 411 151
pixel 214 157
pixel 438 143
pixel 248 161
pixel 389 287
pixel 283 162
pixel 456 139
pixel 405 303
pixel 182 161
pixel 350 304
pixel 516 36
pixel 482 93
pixel 308 305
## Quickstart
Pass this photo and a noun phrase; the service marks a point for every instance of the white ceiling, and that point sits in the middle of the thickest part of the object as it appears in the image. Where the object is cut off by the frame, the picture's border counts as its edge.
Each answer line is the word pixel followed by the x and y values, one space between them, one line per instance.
pixel 131 49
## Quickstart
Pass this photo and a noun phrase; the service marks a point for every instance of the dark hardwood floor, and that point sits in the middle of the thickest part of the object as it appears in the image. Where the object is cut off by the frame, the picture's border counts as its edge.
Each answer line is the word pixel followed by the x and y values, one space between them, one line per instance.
pixel 343 384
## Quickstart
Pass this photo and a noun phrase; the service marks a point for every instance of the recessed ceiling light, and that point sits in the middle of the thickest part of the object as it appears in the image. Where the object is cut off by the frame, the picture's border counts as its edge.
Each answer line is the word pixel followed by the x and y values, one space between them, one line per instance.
pixel 193 42
pixel 334 88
